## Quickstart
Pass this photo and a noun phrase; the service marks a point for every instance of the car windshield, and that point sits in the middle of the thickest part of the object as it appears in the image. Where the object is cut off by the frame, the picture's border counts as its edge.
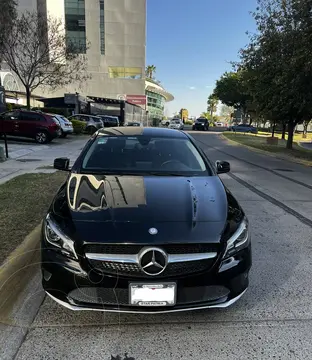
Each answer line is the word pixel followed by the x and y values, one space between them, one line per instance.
pixel 201 120
pixel 143 155
pixel 175 122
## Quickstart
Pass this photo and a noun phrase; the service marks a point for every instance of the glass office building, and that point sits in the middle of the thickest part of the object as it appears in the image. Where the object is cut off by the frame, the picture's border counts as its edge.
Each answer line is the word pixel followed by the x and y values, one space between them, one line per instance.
pixel 75 24
pixel 157 97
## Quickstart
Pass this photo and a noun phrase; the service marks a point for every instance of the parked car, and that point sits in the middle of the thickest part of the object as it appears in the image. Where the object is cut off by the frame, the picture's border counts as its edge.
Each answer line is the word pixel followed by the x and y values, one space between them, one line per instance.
pixel 176 124
pixel 93 123
pixel 30 124
pixel 219 124
pixel 109 121
pixel 165 122
pixel 201 124
pixel 65 124
pixel 244 128
pixel 144 224
pixel 133 123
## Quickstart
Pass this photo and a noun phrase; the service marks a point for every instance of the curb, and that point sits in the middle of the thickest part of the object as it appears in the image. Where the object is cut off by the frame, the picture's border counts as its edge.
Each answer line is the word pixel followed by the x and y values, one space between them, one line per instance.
pixel 17 270
pixel 276 156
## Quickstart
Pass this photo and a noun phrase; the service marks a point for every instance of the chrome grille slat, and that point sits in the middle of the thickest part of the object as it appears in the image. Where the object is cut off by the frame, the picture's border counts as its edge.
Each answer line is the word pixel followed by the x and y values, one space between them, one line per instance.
pixel 128 264
pixel 135 248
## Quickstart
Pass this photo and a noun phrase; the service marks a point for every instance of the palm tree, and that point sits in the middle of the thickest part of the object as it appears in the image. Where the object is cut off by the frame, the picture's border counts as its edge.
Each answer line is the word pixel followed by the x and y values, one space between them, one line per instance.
pixel 212 104
pixel 150 70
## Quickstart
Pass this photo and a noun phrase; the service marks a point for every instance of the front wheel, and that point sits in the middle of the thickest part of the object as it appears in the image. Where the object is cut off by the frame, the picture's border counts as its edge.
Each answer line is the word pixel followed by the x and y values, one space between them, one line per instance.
pixel 91 130
pixel 42 137
pixel 63 135
pixel 193 128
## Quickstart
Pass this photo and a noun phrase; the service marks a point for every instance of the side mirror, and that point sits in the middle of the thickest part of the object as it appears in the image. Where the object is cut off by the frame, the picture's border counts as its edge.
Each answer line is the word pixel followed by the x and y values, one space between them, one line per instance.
pixel 223 167
pixel 61 164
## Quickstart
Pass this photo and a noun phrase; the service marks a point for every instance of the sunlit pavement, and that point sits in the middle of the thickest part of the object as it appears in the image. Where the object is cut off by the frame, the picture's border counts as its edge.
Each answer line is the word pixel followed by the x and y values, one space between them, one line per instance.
pixel 272 320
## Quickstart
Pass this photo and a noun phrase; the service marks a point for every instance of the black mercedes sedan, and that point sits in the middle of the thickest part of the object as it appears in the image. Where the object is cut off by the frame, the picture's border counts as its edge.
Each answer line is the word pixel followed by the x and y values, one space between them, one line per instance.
pixel 144 224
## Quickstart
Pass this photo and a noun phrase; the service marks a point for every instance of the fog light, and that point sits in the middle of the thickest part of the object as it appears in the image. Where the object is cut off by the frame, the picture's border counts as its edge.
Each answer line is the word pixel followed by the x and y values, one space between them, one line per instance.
pixel 46 275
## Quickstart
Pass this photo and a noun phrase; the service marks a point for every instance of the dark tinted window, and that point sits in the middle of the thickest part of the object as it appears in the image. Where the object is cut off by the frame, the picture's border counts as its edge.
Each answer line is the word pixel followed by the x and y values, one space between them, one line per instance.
pixel 83 118
pixel 11 115
pixel 142 154
pixel 95 119
pixel 24 116
pixel 201 120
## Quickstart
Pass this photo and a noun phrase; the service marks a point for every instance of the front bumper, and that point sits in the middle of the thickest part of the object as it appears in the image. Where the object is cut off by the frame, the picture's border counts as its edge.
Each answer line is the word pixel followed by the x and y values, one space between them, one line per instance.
pixel 78 287
pixel 67 130
pixel 200 126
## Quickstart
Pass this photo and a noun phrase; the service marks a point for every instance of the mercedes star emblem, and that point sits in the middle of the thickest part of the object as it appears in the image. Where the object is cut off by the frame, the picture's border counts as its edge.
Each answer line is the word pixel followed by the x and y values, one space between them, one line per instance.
pixel 153 231
pixel 153 261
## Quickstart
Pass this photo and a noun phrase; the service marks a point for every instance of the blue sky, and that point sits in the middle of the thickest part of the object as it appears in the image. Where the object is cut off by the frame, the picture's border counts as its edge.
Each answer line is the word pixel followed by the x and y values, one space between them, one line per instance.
pixel 191 43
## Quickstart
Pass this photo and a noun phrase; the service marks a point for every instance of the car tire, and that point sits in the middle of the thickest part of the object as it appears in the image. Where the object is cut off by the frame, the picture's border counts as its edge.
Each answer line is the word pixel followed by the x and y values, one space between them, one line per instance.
pixel 91 130
pixel 63 135
pixel 193 127
pixel 42 137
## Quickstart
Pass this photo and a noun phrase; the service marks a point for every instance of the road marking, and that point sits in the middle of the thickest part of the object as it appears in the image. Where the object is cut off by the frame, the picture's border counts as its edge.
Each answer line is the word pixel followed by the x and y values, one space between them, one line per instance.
pixel 272 200
pixel 259 166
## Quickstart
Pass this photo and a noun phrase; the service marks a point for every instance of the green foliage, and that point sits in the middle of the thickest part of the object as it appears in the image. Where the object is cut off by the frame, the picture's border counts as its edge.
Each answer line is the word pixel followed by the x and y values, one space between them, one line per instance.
pixel 150 70
pixel 78 126
pixel 9 107
pixel 277 62
pixel 231 90
pixel 210 118
pixel 212 104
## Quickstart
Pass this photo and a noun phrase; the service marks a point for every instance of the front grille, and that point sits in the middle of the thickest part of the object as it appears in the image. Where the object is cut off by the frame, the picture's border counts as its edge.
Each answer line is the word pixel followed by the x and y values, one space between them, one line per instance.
pixel 120 297
pixel 133 270
pixel 135 249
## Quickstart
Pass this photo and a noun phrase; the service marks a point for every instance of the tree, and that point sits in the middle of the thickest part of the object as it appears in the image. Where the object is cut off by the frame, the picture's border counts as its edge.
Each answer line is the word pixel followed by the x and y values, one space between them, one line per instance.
pixel 278 61
pixel 7 16
pixel 38 53
pixel 305 128
pixel 212 104
pixel 231 90
pixel 226 111
pixel 184 114
pixel 150 70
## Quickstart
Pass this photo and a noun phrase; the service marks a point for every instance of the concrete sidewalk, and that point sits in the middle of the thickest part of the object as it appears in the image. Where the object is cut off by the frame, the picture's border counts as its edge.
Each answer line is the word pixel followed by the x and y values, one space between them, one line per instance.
pixel 30 159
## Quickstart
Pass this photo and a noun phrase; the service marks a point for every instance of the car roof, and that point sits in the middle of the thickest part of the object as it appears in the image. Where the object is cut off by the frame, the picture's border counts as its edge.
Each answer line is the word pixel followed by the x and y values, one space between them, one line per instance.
pixel 148 131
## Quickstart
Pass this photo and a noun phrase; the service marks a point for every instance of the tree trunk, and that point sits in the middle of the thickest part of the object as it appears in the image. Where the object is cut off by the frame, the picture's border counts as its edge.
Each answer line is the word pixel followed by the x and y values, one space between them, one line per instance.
pixel 284 131
pixel 305 129
pixel 291 128
pixel 28 97
pixel 273 129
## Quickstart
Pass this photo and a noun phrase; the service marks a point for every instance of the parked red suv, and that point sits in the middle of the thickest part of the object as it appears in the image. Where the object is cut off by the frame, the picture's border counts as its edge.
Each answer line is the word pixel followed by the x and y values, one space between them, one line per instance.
pixel 31 124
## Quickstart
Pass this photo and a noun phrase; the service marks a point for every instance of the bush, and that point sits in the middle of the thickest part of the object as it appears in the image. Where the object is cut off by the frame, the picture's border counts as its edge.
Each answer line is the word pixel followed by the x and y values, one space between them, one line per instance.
pixel 79 126
pixel 188 122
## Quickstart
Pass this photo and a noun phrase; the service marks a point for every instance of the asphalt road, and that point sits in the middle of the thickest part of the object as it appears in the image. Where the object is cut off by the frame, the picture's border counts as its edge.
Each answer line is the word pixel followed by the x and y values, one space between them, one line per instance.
pixel 272 321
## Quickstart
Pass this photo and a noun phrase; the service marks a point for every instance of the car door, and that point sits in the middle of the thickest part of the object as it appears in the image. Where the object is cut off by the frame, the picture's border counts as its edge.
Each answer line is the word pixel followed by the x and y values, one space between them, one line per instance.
pixel 31 123
pixel 241 128
pixel 10 122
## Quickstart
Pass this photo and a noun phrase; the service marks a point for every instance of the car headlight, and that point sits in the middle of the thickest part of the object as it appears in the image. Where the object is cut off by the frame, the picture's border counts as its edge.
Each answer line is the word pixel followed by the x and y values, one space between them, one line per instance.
pixel 239 240
pixel 56 237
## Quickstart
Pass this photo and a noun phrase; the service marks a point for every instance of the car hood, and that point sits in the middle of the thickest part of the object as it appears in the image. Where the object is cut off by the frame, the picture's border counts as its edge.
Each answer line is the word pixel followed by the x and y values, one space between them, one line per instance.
pixel 138 198
pixel 124 208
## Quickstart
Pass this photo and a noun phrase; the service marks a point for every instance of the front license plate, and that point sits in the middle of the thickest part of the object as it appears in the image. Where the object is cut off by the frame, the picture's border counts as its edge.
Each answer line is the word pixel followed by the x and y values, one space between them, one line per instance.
pixel 153 294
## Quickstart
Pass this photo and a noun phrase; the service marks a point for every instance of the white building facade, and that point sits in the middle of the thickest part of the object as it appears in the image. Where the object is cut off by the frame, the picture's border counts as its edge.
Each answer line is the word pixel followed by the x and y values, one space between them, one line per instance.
pixel 116 33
